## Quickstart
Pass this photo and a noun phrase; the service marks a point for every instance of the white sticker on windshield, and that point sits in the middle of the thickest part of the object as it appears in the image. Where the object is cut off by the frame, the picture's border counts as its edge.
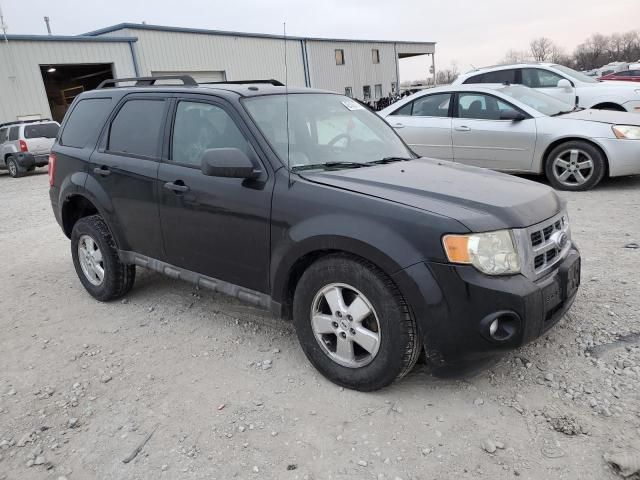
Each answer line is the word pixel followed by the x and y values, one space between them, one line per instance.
pixel 352 105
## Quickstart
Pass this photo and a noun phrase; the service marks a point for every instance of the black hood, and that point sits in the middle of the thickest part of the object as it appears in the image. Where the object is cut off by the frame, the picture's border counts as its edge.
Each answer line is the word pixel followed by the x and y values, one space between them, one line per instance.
pixel 480 199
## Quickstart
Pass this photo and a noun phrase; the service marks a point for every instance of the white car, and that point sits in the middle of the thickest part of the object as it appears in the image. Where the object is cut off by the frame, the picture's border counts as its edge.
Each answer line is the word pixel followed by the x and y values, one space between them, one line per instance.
pixel 517 129
pixel 563 83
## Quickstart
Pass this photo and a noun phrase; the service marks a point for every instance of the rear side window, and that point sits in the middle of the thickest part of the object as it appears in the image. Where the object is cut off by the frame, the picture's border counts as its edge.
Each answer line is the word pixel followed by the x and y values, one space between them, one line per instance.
pixel 404 110
pixel 3 135
pixel 136 128
pixel 499 76
pixel 85 122
pixel 41 130
pixel 14 134
pixel 432 106
pixel 538 78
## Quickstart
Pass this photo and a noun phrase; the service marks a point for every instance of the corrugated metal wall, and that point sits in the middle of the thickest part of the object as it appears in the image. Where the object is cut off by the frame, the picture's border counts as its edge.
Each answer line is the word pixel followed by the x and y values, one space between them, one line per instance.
pixel 241 58
pixel 21 86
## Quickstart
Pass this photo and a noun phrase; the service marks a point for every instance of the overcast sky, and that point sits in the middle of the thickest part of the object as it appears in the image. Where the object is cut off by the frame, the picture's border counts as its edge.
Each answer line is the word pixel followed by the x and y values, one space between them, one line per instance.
pixel 468 32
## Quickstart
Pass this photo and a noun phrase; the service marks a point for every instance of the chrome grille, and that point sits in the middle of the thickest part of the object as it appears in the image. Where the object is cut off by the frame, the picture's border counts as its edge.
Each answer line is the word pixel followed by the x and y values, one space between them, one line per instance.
pixel 540 245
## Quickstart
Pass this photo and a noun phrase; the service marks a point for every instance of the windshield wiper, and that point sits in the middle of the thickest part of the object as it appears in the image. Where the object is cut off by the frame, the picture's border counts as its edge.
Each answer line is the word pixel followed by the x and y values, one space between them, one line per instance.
pixel 329 165
pixel 389 160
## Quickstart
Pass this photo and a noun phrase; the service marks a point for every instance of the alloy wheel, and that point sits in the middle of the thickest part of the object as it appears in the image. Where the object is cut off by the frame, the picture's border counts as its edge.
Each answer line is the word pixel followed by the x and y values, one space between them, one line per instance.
pixel 345 325
pixel 91 261
pixel 573 167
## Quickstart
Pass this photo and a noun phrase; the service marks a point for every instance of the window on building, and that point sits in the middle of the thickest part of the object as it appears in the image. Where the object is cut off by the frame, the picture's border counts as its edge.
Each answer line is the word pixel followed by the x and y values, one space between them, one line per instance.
pixel 377 91
pixel 538 78
pixel 375 54
pixel 201 126
pixel 85 122
pixel 348 91
pixel 366 92
pixel 339 57
pixel 394 87
pixel 136 128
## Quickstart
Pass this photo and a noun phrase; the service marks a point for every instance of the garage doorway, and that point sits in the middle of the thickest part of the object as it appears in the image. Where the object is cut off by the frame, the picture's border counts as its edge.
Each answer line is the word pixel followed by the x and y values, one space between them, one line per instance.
pixel 64 82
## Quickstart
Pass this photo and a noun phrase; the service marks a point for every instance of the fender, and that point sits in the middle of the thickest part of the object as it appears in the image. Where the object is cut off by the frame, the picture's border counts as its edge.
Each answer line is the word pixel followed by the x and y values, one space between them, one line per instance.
pixel 387 249
pixel 608 98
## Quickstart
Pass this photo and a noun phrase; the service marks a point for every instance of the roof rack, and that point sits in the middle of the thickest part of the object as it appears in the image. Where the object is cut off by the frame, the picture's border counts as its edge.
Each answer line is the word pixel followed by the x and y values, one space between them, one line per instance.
pixel 20 122
pixel 271 81
pixel 187 80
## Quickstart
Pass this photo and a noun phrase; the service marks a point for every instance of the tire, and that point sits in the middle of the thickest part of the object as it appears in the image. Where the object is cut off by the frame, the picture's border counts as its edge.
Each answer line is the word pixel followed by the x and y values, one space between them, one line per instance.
pixel 398 342
pixel 91 233
pixel 15 170
pixel 566 158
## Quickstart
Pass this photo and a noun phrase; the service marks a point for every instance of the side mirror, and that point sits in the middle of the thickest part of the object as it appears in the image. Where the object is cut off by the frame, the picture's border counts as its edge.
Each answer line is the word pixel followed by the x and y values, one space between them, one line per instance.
pixel 513 115
pixel 228 162
pixel 565 84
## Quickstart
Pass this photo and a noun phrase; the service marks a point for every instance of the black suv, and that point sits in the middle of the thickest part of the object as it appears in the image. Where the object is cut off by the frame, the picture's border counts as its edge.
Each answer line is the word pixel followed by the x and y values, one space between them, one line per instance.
pixel 305 202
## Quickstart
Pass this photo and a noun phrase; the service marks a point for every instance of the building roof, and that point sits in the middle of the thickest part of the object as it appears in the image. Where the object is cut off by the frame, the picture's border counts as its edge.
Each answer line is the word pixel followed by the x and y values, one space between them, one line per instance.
pixel 161 28
pixel 66 38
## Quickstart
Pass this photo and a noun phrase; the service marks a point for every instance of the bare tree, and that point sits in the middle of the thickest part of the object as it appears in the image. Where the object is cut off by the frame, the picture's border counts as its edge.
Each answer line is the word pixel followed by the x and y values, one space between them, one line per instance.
pixel 515 56
pixel 541 49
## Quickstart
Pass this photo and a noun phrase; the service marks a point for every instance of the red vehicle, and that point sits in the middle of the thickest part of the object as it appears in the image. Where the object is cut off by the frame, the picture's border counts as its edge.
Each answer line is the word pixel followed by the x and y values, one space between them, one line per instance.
pixel 625 75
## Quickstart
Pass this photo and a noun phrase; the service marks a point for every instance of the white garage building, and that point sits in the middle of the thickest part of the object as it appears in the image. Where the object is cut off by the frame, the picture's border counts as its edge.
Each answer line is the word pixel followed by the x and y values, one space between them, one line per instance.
pixel 40 75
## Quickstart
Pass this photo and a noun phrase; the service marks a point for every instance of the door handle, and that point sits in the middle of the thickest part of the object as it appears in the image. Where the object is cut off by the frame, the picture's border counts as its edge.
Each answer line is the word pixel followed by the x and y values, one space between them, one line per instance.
pixel 178 186
pixel 463 128
pixel 398 125
pixel 102 171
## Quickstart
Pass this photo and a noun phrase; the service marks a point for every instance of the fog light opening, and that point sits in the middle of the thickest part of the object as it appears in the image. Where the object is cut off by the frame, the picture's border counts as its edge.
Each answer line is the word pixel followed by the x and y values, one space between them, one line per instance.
pixel 500 326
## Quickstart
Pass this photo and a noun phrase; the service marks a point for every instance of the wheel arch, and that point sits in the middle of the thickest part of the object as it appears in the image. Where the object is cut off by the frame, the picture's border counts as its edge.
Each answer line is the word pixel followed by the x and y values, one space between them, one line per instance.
pixel 609 106
pixel 74 208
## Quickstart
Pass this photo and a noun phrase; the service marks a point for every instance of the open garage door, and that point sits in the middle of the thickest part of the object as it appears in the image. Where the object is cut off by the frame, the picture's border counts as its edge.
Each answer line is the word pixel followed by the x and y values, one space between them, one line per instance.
pixel 64 82
pixel 200 76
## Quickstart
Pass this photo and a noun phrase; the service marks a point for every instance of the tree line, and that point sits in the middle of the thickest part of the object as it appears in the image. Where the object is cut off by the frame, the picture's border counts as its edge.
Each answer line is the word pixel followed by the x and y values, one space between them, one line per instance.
pixel 594 52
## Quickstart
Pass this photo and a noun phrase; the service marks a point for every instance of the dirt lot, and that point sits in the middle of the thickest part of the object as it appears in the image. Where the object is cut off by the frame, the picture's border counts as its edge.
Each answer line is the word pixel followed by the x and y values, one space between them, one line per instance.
pixel 228 393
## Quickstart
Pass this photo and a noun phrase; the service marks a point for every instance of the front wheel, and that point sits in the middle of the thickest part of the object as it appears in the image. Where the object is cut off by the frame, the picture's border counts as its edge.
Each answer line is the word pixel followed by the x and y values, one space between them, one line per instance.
pixel 353 324
pixel 575 166
pixel 96 260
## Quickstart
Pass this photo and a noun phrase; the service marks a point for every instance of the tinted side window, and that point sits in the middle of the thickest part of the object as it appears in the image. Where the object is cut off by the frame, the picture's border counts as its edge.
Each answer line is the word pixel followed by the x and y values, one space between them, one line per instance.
pixel 432 106
pixel 404 110
pixel 500 76
pixel 136 128
pixel 201 126
pixel 479 106
pixel 538 78
pixel 85 122
pixel 3 135
pixel 13 134
pixel 41 130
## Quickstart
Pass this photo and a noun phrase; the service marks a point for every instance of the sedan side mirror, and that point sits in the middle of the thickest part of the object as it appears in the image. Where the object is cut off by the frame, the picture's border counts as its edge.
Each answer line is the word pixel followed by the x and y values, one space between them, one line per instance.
pixel 229 163
pixel 513 115
pixel 565 84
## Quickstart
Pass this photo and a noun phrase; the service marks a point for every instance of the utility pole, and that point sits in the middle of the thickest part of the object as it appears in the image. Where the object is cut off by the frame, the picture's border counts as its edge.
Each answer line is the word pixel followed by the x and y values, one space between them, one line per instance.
pixel 433 67
pixel 46 20
pixel 3 26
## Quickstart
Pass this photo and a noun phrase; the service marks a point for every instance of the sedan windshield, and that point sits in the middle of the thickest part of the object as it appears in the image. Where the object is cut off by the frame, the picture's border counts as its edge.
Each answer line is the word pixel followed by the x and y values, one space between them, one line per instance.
pixel 325 131
pixel 570 72
pixel 541 102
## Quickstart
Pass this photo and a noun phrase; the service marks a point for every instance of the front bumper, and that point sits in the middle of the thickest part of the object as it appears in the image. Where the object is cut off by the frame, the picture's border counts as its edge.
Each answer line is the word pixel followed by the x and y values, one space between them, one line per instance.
pixel 632 106
pixel 452 304
pixel 623 156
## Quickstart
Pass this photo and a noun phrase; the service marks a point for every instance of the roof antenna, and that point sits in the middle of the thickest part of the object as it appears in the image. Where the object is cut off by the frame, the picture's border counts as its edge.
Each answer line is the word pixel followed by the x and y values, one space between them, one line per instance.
pixel 286 96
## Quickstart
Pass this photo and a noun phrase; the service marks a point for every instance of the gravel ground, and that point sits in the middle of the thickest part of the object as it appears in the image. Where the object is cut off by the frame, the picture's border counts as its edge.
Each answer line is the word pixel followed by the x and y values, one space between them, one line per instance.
pixel 227 393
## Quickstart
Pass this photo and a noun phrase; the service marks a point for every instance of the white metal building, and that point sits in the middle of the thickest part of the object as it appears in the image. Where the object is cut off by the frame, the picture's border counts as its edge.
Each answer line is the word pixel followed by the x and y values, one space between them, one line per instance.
pixel 40 75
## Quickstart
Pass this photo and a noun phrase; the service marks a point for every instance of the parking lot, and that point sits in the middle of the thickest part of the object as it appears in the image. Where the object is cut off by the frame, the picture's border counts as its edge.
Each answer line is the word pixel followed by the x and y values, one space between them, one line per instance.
pixel 225 391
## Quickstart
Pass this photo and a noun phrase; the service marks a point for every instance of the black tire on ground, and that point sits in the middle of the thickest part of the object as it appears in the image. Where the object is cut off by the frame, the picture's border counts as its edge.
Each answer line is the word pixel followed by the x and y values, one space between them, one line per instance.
pixel 118 277
pixel 400 343
pixel 597 157
pixel 15 170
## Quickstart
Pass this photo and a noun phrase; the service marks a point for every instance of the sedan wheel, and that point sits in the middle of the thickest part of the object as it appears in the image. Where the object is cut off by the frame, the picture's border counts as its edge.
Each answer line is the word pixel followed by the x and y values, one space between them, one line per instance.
pixel 573 167
pixel 345 325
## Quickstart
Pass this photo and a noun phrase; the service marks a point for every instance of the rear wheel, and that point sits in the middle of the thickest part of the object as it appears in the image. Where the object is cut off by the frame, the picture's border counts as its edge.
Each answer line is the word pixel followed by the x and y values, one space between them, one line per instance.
pixel 353 324
pixel 96 260
pixel 575 166
pixel 14 169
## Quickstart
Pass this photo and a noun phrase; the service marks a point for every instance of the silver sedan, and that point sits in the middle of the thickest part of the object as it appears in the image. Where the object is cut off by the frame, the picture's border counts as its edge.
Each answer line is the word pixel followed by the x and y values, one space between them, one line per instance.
pixel 513 128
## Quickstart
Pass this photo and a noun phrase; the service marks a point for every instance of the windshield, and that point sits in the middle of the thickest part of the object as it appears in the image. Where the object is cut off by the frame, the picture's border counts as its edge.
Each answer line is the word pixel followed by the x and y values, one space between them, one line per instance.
pixel 324 128
pixel 41 130
pixel 581 77
pixel 539 101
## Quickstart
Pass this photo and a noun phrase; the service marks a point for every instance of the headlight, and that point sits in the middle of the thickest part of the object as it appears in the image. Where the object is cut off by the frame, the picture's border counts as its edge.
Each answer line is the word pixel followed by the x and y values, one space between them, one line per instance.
pixel 627 132
pixel 493 253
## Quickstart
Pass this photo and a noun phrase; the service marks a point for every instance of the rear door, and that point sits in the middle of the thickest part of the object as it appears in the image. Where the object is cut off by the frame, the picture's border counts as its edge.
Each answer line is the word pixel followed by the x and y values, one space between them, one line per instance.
pixel 125 166
pixel 481 139
pixel 40 137
pixel 218 227
pixel 425 124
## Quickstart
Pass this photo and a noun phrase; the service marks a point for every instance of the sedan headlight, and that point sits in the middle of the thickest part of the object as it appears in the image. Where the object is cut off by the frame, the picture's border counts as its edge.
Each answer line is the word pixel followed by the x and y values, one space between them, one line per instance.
pixel 493 253
pixel 627 132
